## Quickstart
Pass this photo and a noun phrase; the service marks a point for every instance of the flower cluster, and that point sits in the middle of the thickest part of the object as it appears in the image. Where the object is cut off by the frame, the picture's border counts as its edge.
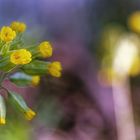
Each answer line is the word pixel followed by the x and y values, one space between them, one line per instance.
pixel 22 65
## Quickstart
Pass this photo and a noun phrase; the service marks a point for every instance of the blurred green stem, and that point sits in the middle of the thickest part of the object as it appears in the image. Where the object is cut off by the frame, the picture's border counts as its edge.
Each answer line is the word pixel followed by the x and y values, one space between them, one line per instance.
pixel 2 77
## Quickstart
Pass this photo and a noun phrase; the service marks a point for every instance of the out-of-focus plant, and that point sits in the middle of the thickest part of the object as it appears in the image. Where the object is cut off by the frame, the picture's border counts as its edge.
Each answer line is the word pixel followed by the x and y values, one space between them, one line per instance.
pixel 22 65
pixel 110 36
pixel 117 41
pixel 120 60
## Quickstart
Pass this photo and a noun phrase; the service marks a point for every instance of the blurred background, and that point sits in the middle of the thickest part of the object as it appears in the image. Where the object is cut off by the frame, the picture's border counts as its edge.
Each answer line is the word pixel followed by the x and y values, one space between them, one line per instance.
pixel 98 95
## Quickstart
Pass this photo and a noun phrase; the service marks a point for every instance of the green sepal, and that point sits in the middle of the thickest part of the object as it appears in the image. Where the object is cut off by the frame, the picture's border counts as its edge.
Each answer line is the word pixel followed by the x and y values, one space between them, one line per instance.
pixel 6 65
pixel 2 107
pixel 36 67
pixel 16 45
pixel 34 50
pixel 2 43
pixel 18 101
pixel 21 79
pixel 5 49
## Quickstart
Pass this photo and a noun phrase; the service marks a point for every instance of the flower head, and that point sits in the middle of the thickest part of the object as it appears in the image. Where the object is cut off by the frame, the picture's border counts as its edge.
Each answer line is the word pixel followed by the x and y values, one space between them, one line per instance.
pixel 134 22
pixel 21 56
pixel 7 34
pixel 29 114
pixel 18 26
pixel 35 80
pixel 2 121
pixel 55 69
pixel 45 49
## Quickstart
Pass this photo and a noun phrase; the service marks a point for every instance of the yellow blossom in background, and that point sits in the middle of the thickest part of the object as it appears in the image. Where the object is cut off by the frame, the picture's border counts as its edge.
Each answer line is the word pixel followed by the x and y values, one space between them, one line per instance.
pixel 2 121
pixel 7 34
pixel 18 26
pixel 55 69
pixel 135 68
pixel 45 49
pixel 29 114
pixel 35 80
pixel 21 56
pixel 134 21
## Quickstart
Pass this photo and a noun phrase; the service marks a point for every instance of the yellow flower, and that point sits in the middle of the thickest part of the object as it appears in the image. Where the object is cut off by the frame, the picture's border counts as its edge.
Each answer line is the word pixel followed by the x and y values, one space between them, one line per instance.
pixel 2 121
pixel 35 80
pixel 135 68
pixel 7 34
pixel 18 26
pixel 134 21
pixel 45 49
pixel 55 69
pixel 29 114
pixel 21 56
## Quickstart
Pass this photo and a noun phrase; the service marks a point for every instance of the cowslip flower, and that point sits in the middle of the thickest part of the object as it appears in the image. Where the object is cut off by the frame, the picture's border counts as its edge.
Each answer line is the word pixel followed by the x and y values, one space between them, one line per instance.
pixel 21 56
pixel 45 49
pixel 29 114
pixel 55 69
pixel 7 34
pixel 134 21
pixel 18 26
pixel 35 80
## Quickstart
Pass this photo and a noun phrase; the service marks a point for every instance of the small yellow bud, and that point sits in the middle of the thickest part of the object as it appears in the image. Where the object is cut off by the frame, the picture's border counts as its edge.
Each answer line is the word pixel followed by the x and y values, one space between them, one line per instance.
pixel 35 80
pixel 29 114
pixel 55 69
pixel 21 56
pixel 2 121
pixel 45 49
pixel 18 26
pixel 7 34
pixel 134 21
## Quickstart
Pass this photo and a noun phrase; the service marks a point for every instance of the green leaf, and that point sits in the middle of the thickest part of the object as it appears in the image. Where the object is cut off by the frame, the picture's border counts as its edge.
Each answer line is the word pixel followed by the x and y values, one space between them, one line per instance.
pixel 21 79
pixel 36 67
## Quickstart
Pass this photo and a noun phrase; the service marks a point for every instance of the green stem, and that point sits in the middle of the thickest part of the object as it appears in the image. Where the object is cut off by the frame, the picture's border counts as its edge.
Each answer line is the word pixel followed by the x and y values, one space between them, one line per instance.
pixel 1 87
pixel 2 77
